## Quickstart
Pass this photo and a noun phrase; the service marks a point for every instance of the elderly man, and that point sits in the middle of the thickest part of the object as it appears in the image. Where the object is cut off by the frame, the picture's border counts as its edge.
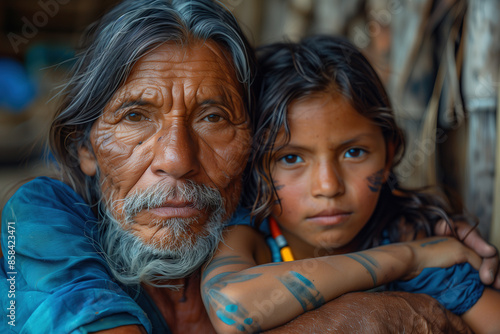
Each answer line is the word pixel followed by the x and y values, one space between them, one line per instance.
pixel 152 140
pixel 154 134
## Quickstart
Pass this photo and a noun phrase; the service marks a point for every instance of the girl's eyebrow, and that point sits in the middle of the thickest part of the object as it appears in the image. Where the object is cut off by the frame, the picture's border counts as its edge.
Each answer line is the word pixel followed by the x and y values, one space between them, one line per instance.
pixel 357 138
pixel 293 147
pixel 298 146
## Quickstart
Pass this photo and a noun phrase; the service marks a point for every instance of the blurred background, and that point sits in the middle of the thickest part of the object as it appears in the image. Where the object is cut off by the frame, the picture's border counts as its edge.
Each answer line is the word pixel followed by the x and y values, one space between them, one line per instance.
pixel 439 59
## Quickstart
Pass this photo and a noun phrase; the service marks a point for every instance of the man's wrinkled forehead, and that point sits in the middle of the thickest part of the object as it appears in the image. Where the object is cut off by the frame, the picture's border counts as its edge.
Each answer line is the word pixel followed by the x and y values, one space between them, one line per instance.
pixel 183 55
pixel 194 72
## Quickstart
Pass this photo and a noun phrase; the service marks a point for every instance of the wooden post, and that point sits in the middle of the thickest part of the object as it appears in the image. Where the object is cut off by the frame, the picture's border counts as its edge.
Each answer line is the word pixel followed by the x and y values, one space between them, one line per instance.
pixel 411 86
pixel 480 79
pixel 495 223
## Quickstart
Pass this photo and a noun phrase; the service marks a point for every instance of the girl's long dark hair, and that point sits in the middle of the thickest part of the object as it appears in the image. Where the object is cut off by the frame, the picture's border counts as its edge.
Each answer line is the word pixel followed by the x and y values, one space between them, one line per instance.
pixel 289 71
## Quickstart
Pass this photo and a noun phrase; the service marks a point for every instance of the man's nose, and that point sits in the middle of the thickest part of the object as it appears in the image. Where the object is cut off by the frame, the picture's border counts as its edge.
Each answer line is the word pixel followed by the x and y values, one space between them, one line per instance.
pixel 175 152
pixel 327 180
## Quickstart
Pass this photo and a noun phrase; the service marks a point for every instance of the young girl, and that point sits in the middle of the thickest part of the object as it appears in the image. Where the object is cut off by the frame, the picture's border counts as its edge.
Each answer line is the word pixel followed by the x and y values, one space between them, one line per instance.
pixel 326 146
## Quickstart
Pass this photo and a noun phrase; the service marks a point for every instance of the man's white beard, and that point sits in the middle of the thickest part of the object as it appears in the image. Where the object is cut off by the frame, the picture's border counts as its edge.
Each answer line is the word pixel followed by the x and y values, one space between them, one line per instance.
pixel 132 261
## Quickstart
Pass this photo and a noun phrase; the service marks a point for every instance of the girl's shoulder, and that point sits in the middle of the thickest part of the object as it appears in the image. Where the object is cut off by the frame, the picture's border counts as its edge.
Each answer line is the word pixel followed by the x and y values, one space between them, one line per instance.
pixel 247 241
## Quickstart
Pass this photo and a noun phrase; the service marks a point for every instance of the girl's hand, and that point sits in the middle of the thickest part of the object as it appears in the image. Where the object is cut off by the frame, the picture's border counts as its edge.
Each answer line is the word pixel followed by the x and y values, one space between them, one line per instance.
pixel 440 252
pixel 489 272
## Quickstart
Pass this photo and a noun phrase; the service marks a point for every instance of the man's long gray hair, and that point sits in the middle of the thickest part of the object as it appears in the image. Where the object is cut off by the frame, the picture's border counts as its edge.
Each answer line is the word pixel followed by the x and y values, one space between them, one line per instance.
pixel 179 254
pixel 110 49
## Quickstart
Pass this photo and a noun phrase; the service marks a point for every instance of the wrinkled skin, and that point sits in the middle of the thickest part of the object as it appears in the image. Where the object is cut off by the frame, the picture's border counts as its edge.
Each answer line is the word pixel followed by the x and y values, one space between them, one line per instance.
pixel 378 313
pixel 179 116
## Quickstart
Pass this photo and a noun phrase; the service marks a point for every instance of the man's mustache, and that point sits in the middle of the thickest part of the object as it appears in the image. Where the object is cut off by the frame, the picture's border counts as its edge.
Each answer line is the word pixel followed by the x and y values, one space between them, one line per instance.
pixel 199 196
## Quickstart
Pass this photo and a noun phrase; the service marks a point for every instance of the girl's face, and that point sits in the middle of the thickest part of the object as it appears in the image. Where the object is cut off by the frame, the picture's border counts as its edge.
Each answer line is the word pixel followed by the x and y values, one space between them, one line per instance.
pixel 328 177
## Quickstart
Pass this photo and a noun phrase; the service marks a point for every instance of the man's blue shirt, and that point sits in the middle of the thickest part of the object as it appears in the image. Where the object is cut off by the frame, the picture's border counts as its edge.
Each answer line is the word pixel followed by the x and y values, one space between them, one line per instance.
pixel 62 284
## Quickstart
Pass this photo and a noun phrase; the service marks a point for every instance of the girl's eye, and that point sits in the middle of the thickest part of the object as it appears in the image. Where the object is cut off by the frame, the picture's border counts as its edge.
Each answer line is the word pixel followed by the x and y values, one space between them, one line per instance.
pixel 354 153
pixel 291 159
pixel 134 117
pixel 213 118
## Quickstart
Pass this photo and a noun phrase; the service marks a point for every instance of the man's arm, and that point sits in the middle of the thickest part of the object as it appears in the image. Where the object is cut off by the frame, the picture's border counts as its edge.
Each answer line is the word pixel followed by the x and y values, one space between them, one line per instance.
pixel 377 312
pixel 489 271
pixel 62 283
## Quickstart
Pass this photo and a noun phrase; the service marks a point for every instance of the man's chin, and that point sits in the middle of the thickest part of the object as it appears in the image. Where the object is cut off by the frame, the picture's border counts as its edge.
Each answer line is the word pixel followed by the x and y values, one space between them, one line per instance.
pixel 145 246
pixel 171 253
pixel 171 235
pixel 168 242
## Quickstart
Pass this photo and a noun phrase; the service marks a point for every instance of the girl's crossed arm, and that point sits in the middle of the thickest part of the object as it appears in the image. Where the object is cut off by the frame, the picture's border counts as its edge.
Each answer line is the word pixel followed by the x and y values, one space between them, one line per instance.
pixel 242 296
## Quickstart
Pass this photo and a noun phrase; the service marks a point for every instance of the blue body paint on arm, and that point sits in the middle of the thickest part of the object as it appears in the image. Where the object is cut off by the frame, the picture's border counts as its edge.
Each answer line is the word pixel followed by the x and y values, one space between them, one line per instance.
pixel 365 263
pixel 303 290
pixel 433 242
pixel 221 315
pixel 229 311
pixel 222 261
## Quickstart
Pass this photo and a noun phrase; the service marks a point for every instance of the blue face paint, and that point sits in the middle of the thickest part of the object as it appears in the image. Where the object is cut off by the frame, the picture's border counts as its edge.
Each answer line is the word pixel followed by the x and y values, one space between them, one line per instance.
pixel 375 181
pixel 248 321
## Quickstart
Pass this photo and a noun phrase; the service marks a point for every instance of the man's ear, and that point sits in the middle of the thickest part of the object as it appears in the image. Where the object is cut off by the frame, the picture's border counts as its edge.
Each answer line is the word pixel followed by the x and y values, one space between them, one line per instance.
pixel 88 163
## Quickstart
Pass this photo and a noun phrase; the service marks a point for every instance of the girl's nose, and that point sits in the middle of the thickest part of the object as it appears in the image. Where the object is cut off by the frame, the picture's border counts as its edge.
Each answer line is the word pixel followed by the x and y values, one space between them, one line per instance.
pixel 327 181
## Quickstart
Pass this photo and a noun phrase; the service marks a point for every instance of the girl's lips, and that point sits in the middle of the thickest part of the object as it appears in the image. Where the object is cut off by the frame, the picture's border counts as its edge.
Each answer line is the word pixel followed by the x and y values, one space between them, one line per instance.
pixel 330 217
pixel 330 212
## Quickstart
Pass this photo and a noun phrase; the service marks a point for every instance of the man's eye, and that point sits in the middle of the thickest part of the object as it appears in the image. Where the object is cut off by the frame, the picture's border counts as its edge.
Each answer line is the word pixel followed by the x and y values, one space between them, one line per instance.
pixel 134 117
pixel 291 159
pixel 354 153
pixel 212 118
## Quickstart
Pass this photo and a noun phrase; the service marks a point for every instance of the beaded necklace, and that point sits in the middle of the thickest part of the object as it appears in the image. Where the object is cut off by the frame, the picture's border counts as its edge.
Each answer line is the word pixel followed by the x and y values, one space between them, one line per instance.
pixel 280 251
